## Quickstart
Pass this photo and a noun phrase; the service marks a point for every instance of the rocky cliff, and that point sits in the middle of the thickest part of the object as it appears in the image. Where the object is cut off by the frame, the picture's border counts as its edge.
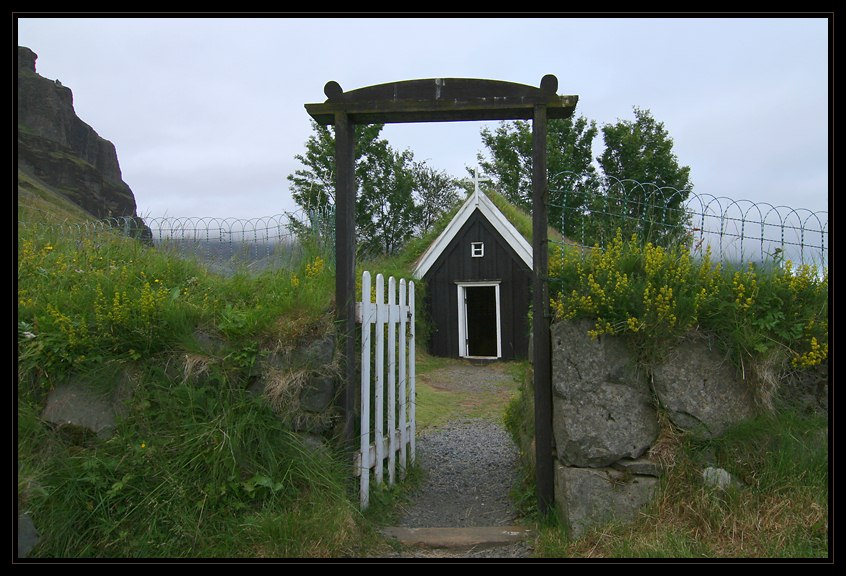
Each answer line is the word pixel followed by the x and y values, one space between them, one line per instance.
pixel 64 152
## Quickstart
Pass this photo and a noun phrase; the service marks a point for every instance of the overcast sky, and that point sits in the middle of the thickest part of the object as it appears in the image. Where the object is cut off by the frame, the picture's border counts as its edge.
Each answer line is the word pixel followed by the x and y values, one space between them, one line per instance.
pixel 207 114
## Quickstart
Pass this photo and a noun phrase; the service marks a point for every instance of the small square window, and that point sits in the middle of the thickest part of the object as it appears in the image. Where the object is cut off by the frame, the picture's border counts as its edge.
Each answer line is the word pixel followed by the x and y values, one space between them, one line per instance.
pixel 477 249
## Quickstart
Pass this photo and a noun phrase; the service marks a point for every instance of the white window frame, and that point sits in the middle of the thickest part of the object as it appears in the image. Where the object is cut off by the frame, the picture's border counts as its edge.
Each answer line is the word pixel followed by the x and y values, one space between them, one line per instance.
pixel 477 249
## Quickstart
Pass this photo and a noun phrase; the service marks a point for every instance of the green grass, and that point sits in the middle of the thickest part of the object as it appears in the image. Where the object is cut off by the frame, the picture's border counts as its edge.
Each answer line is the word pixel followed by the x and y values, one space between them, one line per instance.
pixel 436 406
pixel 519 420
pixel 198 466
pixel 780 511
pixel 92 298
pixel 193 471
pixel 427 363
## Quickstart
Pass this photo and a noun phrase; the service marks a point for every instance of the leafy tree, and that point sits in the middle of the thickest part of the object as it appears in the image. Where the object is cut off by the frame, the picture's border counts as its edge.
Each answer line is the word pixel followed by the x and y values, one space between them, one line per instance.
pixel 645 186
pixel 510 164
pixel 572 176
pixel 313 187
pixel 385 210
pixel 435 192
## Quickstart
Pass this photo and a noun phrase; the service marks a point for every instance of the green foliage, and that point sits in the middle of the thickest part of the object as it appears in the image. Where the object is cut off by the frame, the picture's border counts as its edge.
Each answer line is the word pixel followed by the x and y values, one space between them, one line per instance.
pixel 642 150
pixel 198 467
pixel 645 186
pixel 85 299
pixel 435 194
pixel 385 213
pixel 398 198
pixel 656 295
pixel 91 299
pixel 642 188
pixel 187 474
pixel 313 187
pixel 569 165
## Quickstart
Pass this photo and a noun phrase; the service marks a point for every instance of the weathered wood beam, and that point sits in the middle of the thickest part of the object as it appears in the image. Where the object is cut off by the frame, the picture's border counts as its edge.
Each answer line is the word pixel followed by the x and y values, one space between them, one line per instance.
pixel 542 370
pixel 345 260
pixel 442 100
pixel 407 111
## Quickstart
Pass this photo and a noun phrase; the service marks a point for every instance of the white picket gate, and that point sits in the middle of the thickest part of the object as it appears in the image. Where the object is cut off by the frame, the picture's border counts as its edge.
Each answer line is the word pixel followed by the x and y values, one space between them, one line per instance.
pixel 396 412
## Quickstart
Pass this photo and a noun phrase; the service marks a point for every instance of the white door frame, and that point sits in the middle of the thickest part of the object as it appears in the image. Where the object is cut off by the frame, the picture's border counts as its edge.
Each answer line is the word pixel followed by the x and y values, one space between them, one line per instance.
pixel 462 317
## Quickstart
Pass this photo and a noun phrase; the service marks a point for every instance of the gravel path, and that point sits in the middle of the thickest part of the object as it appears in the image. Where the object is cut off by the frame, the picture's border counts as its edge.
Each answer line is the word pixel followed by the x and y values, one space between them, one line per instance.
pixel 469 467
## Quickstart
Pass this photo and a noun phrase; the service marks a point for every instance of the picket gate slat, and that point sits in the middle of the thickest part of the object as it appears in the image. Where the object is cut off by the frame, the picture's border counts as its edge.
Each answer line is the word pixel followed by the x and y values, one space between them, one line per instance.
pixel 390 384
pixel 402 381
pixel 364 451
pixel 379 390
pixel 412 375
pixel 393 318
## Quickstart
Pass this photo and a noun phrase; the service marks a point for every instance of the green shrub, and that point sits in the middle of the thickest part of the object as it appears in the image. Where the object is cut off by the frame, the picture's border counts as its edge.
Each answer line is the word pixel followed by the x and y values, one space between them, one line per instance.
pixel 772 314
pixel 98 297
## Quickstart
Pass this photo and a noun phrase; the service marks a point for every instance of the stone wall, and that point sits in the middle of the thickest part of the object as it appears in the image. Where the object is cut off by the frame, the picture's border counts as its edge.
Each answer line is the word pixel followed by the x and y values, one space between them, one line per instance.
pixel 299 381
pixel 605 417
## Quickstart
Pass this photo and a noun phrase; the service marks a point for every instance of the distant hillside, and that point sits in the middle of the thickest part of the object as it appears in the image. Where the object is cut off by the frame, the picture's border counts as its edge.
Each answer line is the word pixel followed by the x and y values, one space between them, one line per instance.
pixel 62 162
pixel 38 202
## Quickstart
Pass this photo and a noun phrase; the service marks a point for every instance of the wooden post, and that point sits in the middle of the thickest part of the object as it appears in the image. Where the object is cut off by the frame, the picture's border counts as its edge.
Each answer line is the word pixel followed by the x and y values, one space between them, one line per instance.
pixel 345 261
pixel 540 313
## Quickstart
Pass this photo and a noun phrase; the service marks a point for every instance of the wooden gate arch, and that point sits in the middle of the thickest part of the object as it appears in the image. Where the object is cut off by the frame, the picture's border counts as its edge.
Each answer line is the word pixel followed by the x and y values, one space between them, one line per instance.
pixel 447 100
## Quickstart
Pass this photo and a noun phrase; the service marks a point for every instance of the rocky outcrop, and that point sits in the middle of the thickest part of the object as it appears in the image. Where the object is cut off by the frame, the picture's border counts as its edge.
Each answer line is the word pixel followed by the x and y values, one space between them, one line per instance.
pixel 301 381
pixel 601 399
pixel 28 536
pixel 603 421
pixel 605 418
pixel 64 152
pixel 701 389
pixel 78 409
pixel 590 497
pixel 719 478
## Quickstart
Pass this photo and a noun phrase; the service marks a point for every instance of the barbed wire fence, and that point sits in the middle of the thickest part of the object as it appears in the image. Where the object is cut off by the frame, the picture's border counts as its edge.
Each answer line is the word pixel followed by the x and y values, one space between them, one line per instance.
pixel 224 245
pixel 737 231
